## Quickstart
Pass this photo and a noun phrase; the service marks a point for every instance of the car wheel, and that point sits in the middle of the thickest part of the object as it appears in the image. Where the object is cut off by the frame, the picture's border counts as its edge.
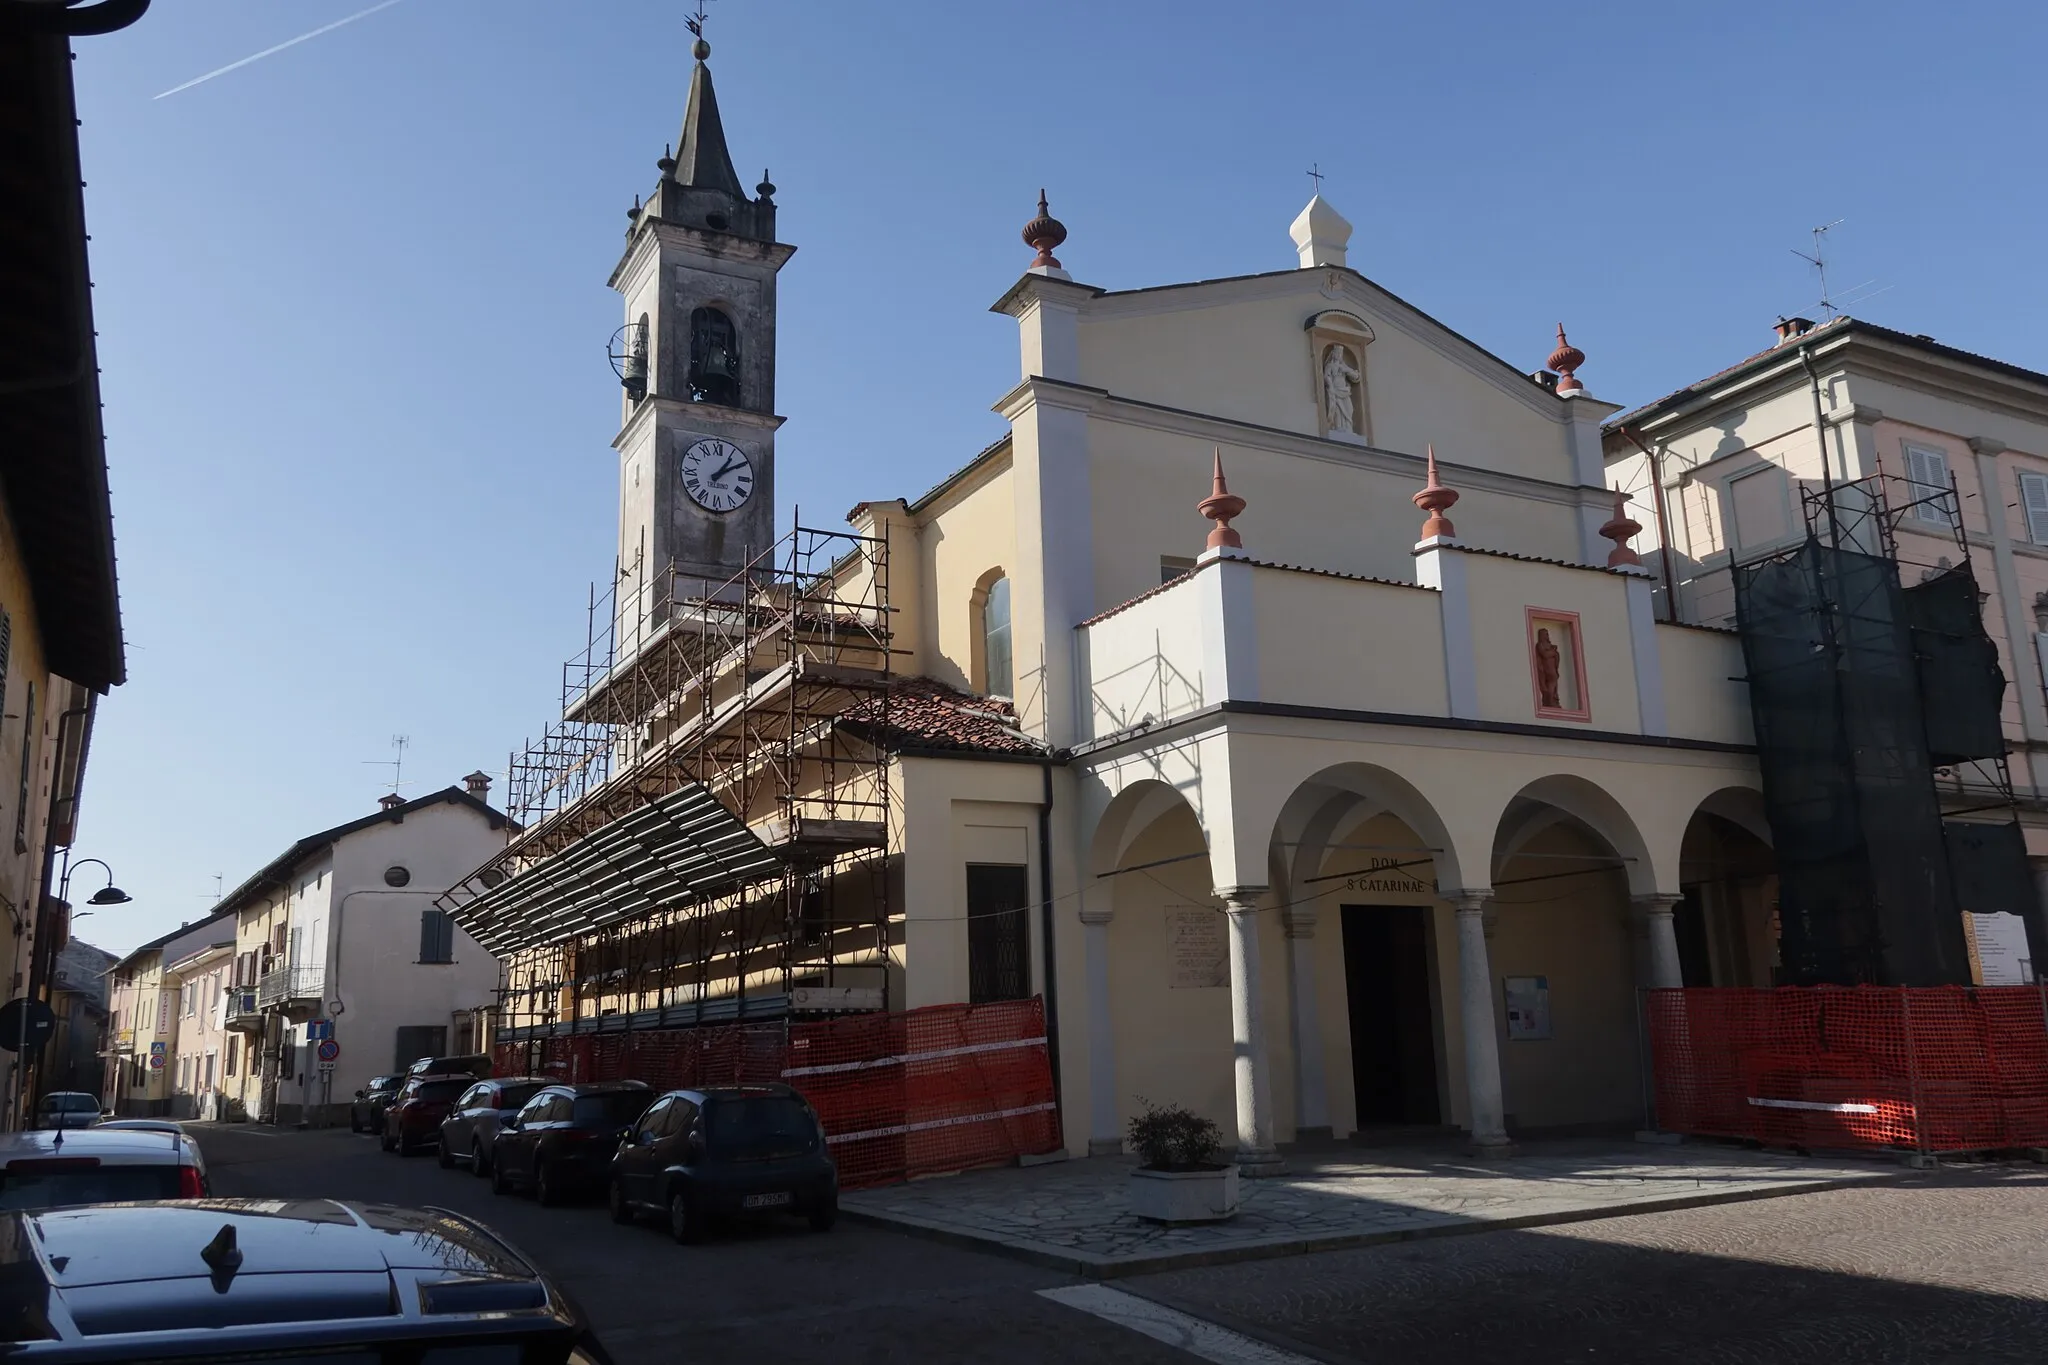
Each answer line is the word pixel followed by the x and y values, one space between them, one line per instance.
pixel 545 1184
pixel 354 1124
pixel 615 1200
pixel 500 1184
pixel 479 1164
pixel 824 1216
pixel 443 1156
pixel 685 1223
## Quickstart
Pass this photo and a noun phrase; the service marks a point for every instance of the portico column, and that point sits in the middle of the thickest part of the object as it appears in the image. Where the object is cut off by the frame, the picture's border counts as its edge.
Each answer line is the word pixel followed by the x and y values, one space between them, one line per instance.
pixel 1104 1139
pixel 1311 1100
pixel 1475 1011
pixel 1662 930
pixel 1256 1153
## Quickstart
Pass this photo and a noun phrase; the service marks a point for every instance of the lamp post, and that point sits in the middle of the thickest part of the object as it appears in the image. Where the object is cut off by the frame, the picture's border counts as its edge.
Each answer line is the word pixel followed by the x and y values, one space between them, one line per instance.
pixel 39 963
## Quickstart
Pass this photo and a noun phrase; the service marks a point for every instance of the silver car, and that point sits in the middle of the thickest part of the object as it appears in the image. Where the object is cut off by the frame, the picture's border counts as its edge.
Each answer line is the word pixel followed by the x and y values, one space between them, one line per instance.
pixel 68 1109
pixel 64 1167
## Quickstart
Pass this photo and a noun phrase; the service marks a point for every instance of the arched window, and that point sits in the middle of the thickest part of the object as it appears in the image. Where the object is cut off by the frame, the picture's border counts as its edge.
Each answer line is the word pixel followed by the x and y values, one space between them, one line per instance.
pixel 714 358
pixel 998 679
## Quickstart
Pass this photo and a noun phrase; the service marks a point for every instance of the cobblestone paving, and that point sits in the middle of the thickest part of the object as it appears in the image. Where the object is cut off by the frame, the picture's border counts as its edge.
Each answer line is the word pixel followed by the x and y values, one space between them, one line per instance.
pixel 1951 1267
pixel 1075 1214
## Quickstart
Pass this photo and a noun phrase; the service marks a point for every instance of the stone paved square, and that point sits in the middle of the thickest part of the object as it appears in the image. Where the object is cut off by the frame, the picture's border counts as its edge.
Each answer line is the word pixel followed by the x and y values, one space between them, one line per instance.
pixel 1074 1215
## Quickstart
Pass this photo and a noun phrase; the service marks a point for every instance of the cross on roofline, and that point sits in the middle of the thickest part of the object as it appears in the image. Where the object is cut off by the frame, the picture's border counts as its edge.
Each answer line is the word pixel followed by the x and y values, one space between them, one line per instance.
pixel 1315 173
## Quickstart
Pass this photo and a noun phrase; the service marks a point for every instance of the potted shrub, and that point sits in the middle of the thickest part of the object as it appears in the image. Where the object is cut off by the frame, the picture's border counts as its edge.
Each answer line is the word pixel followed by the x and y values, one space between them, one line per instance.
pixel 1181 1177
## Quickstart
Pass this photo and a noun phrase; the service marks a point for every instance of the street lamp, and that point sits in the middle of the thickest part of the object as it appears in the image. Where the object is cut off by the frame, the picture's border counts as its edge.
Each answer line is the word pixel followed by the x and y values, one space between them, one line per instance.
pixel 109 894
pixel 40 960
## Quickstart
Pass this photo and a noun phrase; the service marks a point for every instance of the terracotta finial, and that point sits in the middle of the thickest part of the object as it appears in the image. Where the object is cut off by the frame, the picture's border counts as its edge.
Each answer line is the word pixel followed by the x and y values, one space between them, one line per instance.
pixel 1436 500
pixel 1220 506
pixel 1621 528
pixel 1042 234
pixel 1566 359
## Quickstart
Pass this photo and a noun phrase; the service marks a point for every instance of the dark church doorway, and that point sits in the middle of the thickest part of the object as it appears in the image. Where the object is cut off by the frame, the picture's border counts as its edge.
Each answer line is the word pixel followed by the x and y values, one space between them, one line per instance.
pixel 1393 1030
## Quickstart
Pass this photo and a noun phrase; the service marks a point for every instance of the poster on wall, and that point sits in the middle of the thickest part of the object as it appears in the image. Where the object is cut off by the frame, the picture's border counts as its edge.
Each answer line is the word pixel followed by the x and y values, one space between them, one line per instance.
pixel 1196 954
pixel 1528 999
pixel 1998 949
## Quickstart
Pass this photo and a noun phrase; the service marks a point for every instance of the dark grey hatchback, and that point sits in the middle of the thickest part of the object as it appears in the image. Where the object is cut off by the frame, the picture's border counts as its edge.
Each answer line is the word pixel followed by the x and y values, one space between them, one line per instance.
pixel 700 1156
pixel 245 1280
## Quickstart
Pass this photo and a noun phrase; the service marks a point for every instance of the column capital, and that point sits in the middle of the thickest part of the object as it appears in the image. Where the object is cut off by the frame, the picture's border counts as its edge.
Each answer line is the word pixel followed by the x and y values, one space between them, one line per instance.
pixel 1656 903
pixel 1237 898
pixel 1470 900
pixel 1096 914
pixel 1299 921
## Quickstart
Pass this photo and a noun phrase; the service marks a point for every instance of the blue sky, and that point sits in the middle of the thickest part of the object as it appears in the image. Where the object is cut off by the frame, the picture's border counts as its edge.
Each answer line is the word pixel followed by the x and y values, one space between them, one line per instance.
pixel 353 313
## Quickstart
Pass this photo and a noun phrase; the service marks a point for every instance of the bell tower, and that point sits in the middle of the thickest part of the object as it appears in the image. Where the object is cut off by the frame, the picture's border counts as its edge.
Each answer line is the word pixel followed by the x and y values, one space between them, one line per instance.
pixel 696 357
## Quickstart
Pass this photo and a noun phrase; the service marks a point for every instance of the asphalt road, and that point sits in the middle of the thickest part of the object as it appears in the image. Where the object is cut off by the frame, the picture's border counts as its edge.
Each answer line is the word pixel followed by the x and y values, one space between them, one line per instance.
pixel 1948 1268
pixel 778 1293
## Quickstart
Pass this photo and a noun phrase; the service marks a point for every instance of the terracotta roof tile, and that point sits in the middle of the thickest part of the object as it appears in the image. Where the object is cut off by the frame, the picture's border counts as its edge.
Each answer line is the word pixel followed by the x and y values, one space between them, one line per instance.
pixel 923 713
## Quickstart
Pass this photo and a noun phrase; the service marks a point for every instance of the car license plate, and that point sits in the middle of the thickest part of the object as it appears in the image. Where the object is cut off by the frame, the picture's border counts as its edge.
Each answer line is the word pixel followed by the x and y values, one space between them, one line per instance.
pixel 766 1201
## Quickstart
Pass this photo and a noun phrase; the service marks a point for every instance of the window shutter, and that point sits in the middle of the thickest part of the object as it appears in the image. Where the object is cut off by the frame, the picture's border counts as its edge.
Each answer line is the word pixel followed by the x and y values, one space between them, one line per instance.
pixel 1927 471
pixel 437 937
pixel 28 739
pixel 447 938
pixel 6 652
pixel 2034 497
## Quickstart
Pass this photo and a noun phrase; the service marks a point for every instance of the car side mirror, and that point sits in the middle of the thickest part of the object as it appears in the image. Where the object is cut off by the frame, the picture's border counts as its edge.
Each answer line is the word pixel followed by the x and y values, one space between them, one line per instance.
pixel 509 1122
pixel 362 1094
pixel 694 1144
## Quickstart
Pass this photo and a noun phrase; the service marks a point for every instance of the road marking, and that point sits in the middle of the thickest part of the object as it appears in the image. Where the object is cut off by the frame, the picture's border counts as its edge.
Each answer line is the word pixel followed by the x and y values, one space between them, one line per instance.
pixel 1190 1334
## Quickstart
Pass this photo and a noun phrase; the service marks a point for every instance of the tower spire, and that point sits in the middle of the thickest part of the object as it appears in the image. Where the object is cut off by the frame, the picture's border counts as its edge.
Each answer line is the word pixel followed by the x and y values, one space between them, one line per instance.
pixel 699 187
pixel 702 161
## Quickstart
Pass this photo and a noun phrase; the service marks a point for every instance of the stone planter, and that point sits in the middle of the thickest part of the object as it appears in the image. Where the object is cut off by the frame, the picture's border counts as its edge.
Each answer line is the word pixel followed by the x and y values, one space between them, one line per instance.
pixel 1185 1196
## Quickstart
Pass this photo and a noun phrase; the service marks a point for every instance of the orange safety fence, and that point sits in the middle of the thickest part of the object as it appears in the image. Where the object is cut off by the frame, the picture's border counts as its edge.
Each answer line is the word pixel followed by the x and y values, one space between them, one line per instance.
pixel 1926 1069
pixel 921 1092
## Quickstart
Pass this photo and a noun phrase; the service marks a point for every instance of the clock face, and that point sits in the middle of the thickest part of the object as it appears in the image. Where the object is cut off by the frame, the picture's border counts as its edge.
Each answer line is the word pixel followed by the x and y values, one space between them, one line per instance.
pixel 717 475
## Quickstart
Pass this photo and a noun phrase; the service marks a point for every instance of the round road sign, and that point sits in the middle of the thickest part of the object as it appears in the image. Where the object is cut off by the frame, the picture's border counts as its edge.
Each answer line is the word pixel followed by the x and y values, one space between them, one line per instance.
pixel 329 1050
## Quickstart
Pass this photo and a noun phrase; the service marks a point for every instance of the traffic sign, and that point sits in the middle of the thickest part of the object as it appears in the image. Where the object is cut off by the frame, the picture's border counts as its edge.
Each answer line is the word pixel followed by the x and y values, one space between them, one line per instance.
pixel 25 1021
pixel 329 1050
pixel 319 1030
pixel 156 1061
pixel 327 1068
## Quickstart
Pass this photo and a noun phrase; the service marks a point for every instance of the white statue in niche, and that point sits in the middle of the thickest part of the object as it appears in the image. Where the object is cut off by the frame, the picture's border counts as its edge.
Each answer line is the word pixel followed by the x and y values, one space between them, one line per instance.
pixel 1340 409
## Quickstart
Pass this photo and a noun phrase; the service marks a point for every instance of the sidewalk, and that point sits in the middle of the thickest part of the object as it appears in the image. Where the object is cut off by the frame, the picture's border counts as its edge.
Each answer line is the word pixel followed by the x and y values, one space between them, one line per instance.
pixel 1072 1215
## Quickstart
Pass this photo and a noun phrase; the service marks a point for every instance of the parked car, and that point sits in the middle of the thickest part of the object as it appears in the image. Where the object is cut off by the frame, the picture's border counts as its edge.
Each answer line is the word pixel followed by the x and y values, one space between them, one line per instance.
pixel 67 1109
pixel 247 1279
pixel 564 1138
pixel 414 1119
pixel 366 1114
pixel 61 1167
pixel 472 1123
pixel 143 1125
pixel 701 1155
pixel 474 1064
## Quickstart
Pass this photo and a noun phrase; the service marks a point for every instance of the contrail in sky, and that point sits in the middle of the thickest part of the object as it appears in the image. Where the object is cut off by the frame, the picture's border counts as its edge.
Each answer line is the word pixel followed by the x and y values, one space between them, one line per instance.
pixel 271 51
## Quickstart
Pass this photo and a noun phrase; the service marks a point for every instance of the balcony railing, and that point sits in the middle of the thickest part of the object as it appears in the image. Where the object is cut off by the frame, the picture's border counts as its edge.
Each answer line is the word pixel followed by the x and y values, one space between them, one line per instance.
pixel 287 984
pixel 243 1010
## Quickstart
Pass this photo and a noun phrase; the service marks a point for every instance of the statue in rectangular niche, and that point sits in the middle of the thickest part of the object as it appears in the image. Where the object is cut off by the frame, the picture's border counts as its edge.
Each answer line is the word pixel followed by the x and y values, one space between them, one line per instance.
pixel 1557 665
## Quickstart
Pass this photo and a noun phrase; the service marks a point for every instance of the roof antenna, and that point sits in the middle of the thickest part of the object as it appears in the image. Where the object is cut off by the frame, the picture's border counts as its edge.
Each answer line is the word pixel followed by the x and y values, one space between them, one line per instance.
pixel 1818 260
pixel 397 764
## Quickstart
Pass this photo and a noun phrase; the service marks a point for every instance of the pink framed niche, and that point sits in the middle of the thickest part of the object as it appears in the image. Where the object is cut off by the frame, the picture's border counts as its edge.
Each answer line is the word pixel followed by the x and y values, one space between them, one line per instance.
pixel 1557 665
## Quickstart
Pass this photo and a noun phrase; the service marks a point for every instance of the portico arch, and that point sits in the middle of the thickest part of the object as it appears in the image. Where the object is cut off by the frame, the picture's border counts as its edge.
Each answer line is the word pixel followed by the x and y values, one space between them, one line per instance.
pixel 1725 923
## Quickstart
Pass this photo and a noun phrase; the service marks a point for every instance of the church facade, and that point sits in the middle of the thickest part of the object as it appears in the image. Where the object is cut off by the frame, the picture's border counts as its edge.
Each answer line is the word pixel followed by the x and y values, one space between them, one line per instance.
pixel 1288 700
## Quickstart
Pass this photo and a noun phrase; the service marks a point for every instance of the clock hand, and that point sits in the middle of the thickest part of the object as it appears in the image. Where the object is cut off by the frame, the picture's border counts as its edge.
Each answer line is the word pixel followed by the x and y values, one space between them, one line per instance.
pixel 726 468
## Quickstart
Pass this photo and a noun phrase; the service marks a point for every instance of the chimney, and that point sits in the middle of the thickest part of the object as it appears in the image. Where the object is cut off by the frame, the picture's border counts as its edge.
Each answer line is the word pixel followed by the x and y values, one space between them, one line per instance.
pixel 1789 329
pixel 1547 378
pixel 478 784
pixel 391 802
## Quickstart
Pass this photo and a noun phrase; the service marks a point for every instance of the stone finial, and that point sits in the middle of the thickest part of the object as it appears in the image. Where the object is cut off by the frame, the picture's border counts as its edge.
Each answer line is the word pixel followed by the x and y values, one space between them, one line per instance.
pixel 1436 500
pixel 1566 360
pixel 1321 234
pixel 1042 234
pixel 1621 528
pixel 1220 506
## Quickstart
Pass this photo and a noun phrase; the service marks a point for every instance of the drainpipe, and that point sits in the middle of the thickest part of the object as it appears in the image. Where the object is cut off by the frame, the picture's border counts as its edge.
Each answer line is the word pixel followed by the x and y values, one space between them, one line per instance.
pixel 1663 523
pixel 1045 903
pixel 1820 432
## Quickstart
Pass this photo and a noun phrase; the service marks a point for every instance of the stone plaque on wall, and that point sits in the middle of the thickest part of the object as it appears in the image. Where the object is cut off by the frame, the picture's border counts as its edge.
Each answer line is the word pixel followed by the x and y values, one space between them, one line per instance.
pixel 1196 954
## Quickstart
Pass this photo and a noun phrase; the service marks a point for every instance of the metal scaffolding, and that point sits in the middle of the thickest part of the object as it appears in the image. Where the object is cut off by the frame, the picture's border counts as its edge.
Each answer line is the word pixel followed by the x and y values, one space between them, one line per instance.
pixel 701 838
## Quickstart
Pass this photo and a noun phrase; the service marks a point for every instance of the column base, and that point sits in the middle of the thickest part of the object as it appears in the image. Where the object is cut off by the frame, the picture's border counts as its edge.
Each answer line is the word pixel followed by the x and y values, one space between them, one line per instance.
pixel 1254 1165
pixel 1490 1148
pixel 1105 1146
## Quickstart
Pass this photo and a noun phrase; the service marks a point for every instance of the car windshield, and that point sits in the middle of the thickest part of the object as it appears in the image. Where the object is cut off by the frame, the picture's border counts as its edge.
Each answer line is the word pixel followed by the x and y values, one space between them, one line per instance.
pixel 760 1125
pixel 440 1092
pixel 614 1109
pixel 72 1104
pixel 387 1083
pixel 515 1096
pixel 24 1186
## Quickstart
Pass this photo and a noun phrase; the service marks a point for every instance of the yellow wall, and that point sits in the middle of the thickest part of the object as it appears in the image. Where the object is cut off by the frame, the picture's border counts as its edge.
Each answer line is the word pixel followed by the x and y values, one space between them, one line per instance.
pixel 956 812
pixel 1339 642
pixel 1502 590
pixel 968 531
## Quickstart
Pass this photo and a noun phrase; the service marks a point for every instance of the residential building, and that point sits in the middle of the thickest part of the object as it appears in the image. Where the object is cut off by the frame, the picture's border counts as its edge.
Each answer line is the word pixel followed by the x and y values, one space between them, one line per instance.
pixel 146 1007
pixel 341 930
pixel 1284 700
pixel 78 995
pixel 60 623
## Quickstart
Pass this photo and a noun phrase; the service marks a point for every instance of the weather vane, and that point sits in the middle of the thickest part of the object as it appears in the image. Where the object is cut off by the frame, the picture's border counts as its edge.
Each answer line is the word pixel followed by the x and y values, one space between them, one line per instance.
pixel 696 20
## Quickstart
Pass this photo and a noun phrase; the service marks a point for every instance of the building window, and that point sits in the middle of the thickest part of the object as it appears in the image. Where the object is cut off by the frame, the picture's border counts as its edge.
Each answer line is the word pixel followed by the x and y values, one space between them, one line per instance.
pixel 2034 498
pixel 234 1048
pixel 998 936
pixel 28 740
pixel 191 995
pixel 1927 480
pixel 997 676
pixel 437 937
pixel 1174 566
